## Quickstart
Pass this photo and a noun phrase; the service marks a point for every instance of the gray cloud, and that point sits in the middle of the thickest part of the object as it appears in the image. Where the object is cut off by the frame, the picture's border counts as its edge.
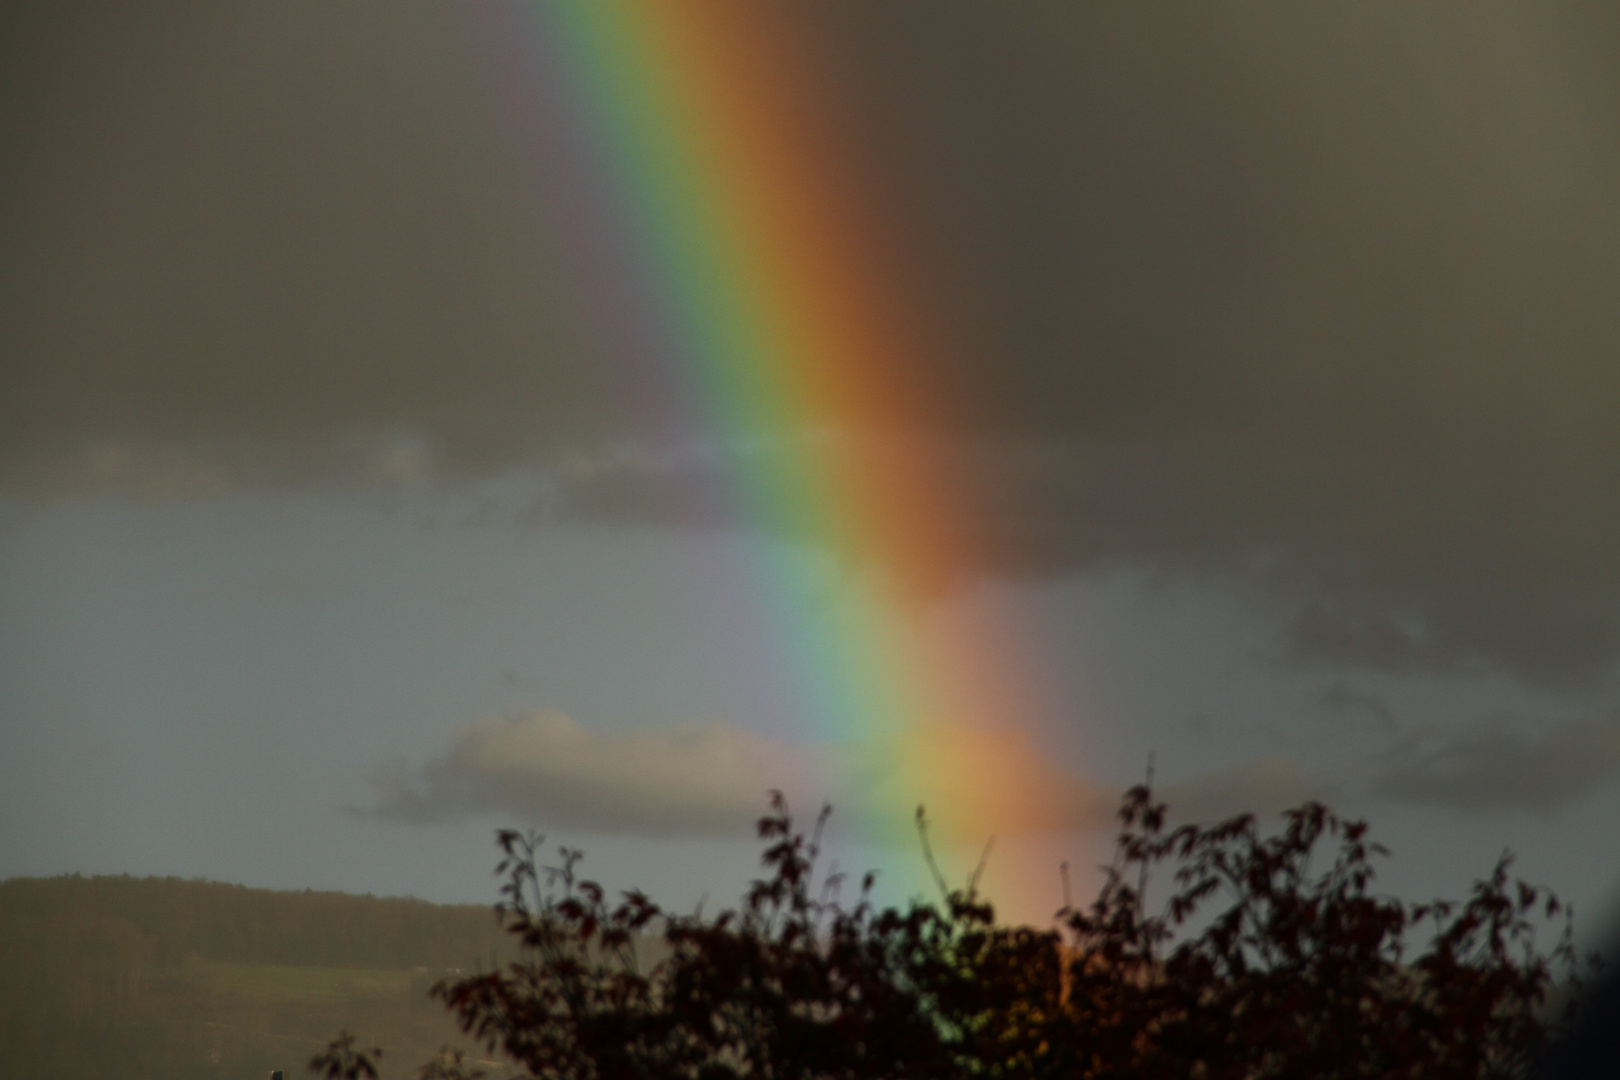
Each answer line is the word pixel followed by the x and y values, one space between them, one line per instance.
pixel 712 779
pixel 543 767
pixel 1317 297
pixel 281 584
pixel 1263 787
pixel 1498 764
pixel 1342 699
pixel 1502 762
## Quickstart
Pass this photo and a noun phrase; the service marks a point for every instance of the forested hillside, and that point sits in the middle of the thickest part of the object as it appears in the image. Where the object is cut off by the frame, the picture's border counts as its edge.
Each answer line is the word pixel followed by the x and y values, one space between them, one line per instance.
pixel 168 979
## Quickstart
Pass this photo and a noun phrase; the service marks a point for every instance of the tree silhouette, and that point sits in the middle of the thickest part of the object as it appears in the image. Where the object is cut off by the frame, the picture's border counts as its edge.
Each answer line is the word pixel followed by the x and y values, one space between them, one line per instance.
pixel 1257 965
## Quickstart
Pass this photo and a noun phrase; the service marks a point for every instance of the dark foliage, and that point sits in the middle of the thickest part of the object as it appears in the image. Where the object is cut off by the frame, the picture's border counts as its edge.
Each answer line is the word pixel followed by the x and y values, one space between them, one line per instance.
pixel 341 1061
pixel 1302 973
pixel 1258 965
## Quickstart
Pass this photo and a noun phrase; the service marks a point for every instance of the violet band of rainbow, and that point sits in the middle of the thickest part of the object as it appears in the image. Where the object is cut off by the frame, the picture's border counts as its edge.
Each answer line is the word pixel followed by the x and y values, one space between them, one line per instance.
pixel 735 284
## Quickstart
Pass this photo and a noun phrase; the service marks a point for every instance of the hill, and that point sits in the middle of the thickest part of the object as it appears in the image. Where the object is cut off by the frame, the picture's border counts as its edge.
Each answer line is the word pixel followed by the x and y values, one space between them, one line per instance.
pixel 168 979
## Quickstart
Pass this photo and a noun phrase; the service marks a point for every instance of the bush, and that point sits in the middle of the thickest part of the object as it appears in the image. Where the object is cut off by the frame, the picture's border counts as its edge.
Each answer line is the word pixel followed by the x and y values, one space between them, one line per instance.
pixel 1291 972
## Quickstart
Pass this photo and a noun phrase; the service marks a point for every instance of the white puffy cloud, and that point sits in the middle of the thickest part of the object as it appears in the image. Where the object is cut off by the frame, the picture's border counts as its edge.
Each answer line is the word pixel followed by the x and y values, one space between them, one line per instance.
pixel 712 779
pixel 543 767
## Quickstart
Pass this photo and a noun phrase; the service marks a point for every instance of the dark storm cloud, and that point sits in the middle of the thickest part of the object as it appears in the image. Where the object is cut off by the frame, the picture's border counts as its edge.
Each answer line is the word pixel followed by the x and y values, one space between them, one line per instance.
pixel 1321 297
pixel 251 244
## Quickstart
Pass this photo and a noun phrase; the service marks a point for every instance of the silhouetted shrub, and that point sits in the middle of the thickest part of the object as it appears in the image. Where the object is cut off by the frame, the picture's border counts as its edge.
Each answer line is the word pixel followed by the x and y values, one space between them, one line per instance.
pixel 1258 965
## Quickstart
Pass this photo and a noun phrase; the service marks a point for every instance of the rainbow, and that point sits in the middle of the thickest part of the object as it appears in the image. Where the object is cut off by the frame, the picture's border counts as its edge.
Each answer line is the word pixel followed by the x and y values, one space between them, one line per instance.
pixel 744 290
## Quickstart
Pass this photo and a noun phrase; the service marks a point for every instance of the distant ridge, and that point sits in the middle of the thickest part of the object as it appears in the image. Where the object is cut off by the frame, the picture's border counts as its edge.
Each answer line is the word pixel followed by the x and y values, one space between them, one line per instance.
pixel 175 979
pixel 175 917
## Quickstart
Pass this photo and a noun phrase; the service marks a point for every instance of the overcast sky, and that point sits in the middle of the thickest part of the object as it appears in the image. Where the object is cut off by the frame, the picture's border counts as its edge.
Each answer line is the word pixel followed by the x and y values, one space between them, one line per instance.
pixel 1280 351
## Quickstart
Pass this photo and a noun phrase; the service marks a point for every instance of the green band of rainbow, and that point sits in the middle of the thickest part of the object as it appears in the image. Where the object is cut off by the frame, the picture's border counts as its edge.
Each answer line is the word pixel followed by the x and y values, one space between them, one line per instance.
pixel 738 285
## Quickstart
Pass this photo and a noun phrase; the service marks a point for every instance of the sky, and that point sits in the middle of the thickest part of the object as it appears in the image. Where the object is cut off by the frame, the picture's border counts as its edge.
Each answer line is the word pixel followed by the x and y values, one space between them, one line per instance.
pixel 1270 356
